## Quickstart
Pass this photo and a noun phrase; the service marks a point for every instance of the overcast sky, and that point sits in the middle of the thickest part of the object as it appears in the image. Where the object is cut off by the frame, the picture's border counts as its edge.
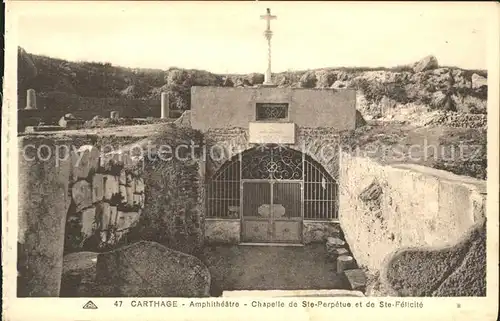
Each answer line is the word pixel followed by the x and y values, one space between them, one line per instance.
pixel 228 37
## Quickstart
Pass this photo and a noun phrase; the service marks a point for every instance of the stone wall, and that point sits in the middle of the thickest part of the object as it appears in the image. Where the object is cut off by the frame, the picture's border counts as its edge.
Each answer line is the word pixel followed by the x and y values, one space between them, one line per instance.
pixel 227 107
pixel 174 209
pixel 42 209
pixel 52 106
pixel 222 144
pixel 222 231
pixel 69 199
pixel 384 209
pixel 72 198
pixel 228 231
pixel 107 199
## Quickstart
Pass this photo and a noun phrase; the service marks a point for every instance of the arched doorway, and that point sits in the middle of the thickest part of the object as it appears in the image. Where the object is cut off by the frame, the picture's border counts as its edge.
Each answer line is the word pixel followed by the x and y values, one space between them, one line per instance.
pixel 272 190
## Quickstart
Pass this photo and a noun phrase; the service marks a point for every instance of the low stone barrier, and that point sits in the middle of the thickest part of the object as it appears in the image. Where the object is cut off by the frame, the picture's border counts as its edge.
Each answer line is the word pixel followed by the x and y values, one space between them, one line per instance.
pixel 149 269
pixel 388 208
pixel 456 270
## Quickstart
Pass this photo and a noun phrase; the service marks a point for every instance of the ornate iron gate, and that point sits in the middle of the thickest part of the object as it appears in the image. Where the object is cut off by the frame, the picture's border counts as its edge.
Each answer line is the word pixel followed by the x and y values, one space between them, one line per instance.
pixel 272 189
pixel 272 211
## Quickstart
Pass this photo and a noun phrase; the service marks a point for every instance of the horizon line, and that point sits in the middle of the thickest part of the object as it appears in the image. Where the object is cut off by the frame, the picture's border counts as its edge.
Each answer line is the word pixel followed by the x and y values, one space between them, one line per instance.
pixel 366 68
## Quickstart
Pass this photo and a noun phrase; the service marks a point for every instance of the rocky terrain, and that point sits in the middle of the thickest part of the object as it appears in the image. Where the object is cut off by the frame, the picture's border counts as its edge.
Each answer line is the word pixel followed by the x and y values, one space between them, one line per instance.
pixel 423 93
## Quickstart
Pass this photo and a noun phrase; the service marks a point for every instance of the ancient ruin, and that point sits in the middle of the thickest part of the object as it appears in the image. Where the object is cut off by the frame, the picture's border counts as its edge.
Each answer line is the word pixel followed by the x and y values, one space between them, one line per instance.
pixel 257 186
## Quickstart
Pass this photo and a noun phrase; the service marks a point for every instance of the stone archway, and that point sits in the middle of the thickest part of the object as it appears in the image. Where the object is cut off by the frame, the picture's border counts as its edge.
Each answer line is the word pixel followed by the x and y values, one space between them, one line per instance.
pixel 271 190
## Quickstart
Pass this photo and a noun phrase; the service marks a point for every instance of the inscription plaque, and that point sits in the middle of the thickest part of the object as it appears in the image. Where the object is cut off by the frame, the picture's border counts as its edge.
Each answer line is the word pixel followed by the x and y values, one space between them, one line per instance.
pixel 271 133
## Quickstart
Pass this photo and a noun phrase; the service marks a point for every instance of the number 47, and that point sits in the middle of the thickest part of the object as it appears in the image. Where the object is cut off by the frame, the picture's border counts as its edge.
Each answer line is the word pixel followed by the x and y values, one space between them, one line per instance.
pixel 118 303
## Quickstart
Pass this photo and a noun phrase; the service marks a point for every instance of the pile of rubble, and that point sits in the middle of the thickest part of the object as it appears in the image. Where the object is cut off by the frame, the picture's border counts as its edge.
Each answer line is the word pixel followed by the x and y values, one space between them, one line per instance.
pixel 68 121
pixel 453 119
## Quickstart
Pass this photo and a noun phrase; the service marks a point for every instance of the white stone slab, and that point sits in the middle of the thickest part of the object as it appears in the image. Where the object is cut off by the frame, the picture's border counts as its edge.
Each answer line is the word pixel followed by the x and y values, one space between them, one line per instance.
pixel 271 133
pixel 293 293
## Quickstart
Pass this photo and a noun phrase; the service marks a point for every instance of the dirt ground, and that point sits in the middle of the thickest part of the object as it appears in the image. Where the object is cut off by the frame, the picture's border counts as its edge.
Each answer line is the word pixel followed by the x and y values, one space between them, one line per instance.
pixel 271 268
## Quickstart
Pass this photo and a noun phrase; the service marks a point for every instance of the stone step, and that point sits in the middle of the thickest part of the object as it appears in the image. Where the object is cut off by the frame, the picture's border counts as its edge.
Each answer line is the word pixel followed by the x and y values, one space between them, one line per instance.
pixel 341 251
pixel 293 293
pixel 333 243
pixel 335 253
pixel 345 262
pixel 356 279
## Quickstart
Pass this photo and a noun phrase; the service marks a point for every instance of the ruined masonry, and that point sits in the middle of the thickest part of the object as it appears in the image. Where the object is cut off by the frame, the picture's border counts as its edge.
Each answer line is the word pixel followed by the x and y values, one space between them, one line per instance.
pixel 107 194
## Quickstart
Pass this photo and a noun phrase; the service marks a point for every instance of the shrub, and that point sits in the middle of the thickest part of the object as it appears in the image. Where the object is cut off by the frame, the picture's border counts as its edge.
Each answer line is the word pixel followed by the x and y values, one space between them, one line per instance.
pixel 373 91
pixel 397 92
pixel 255 79
pixel 172 214
pixel 325 79
pixel 308 80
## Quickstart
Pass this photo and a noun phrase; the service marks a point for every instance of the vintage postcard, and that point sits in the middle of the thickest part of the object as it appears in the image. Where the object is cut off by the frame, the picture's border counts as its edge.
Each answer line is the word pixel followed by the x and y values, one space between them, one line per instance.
pixel 250 160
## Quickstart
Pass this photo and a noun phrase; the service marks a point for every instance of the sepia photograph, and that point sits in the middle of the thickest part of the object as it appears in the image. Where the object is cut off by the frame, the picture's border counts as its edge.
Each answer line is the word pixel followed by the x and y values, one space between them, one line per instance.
pixel 243 149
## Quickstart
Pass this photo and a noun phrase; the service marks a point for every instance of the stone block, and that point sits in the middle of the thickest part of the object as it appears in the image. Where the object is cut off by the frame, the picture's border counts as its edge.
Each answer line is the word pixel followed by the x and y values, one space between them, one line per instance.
pixel 129 179
pixel 139 185
pixel 106 162
pixel 118 235
pixel 333 243
pixel 356 279
pixel 130 195
pixel 426 63
pixel 88 219
pixel 97 188
pixel 120 220
pixel 222 231
pixel 82 195
pixel 110 160
pixel 122 179
pixel 165 106
pixel 139 200
pixel 78 275
pixel 336 252
pixel 113 214
pixel 116 158
pixel 318 232
pixel 345 262
pixel 341 251
pixel 31 99
pixel 103 237
pixel 126 219
pixel 128 161
pixel 149 269
pixel 103 213
pixel 479 81
pixel 123 194
pixel 85 160
pixel 42 213
pixel 111 186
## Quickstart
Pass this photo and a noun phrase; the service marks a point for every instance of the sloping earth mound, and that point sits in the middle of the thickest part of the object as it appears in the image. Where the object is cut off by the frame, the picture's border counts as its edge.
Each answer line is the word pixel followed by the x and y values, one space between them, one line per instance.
pixel 461 151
